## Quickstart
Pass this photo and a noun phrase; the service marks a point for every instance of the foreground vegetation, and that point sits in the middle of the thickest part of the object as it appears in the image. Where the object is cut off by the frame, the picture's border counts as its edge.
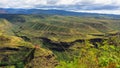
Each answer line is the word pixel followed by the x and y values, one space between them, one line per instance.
pixel 87 56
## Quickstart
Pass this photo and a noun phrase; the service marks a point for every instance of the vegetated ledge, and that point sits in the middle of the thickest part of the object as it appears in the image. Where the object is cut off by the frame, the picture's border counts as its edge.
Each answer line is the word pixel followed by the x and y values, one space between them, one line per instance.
pixel 12 56
pixel 107 34
pixel 44 58
pixel 62 46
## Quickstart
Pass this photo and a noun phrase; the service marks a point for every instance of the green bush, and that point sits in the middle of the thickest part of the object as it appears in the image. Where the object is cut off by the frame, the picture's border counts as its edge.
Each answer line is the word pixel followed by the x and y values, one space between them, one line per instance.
pixel 105 56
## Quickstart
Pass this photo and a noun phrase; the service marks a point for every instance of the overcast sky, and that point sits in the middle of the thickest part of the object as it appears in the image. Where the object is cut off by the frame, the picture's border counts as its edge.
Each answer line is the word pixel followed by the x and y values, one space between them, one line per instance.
pixel 94 6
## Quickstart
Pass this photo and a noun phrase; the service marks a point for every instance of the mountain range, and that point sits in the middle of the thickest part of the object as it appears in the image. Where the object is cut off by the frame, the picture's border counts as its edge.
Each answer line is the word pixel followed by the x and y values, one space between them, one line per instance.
pixel 56 12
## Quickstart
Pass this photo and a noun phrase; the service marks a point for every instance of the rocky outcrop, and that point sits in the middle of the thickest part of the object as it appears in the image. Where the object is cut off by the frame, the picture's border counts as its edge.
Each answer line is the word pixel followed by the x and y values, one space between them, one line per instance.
pixel 62 46
pixel 54 45
pixel 43 59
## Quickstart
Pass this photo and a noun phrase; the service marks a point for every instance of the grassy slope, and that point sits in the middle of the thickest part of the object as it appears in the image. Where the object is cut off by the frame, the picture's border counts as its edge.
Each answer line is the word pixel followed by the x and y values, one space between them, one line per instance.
pixel 64 28
pixel 6 27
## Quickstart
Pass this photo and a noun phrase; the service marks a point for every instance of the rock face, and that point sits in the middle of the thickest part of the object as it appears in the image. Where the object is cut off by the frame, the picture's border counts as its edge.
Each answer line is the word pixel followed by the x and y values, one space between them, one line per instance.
pixel 43 59
pixel 63 46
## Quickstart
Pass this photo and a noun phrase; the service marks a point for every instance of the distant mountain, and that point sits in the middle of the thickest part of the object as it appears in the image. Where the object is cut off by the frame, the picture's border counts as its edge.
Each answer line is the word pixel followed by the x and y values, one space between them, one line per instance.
pixel 56 12
pixel 2 11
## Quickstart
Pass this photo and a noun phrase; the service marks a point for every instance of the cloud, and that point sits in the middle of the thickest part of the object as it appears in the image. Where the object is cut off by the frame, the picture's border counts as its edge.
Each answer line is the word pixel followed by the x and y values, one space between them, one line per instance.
pixel 117 12
pixel 76 5
pixel 21 3
pixel 66 2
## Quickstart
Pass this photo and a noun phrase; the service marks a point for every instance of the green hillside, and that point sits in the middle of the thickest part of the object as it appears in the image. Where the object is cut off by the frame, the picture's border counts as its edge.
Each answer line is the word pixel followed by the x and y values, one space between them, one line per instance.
pixel 43 40
pixel 62 27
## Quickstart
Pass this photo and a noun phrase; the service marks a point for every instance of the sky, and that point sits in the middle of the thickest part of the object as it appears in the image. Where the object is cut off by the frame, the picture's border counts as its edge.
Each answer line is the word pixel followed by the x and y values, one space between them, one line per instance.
pixel 90 6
